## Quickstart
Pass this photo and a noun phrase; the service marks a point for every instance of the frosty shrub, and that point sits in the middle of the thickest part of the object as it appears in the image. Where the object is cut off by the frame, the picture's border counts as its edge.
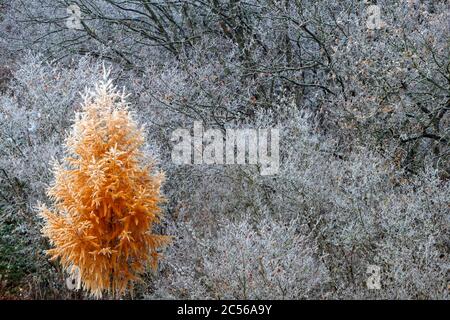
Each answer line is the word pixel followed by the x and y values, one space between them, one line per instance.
pixel 336 214
pixel 243 260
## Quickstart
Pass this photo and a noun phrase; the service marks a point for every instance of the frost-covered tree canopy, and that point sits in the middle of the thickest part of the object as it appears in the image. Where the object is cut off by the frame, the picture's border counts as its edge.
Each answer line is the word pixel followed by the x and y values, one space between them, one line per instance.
pixel 358 91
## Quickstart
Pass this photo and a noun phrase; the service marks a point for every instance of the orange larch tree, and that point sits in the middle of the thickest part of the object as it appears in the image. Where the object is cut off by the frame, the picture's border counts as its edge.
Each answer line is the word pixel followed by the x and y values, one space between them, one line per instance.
pixel 105 199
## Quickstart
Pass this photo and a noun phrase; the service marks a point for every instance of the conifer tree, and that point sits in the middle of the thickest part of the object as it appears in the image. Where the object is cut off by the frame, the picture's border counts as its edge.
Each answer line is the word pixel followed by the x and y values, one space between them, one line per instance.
pixel 105 199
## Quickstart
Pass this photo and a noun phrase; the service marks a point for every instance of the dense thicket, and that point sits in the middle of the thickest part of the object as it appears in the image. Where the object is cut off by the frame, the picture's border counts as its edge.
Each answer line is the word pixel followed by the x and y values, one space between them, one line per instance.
pixel 364 139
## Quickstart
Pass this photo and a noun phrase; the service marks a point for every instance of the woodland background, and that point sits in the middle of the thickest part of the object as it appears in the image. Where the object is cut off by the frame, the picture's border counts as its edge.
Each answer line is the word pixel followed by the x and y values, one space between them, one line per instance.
pixel 364 141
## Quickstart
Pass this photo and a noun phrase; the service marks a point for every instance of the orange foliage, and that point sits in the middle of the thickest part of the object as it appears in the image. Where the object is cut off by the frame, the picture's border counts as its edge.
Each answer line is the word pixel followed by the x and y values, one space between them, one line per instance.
pixel 105 201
